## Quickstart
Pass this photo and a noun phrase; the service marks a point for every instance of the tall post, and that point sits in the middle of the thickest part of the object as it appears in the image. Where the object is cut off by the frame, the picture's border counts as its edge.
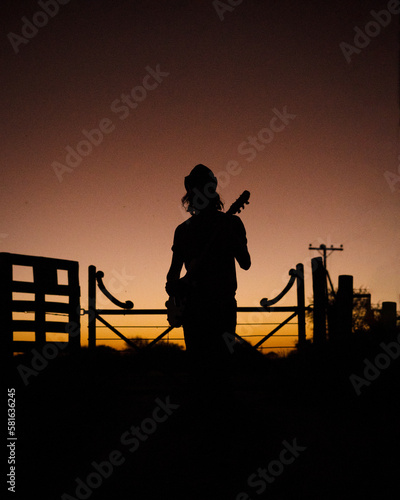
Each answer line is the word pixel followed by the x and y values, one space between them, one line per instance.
pixel 301 313
pixel 92 307
pixel 74 338
pixel 6 278
pixel 344 307
pixel 389 314
pixel 320 300
pixel 41 277
pixel 324 250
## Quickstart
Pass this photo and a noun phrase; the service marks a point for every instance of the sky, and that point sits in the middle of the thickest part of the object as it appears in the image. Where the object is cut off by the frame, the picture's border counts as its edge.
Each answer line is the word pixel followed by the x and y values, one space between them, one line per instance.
pixel 291 101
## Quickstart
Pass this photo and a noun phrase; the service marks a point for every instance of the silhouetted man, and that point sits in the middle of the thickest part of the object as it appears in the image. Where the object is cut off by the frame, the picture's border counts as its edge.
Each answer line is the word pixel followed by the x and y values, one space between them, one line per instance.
pixel 208 244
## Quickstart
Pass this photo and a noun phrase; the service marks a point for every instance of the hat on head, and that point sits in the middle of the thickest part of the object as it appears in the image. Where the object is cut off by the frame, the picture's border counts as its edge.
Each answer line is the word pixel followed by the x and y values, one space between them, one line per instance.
pixel 200 177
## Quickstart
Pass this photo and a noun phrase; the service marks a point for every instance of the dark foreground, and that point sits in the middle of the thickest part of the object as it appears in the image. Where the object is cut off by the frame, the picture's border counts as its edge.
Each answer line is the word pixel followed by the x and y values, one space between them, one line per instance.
pixel 109 426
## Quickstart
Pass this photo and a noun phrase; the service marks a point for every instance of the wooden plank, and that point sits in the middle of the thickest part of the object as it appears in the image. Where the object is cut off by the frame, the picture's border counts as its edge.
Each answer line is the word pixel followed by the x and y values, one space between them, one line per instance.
pixel 26 345
pixel 29 306
pixel 22 286
pixel 23 345
pixel 28 287
pixel 56 327
pixel 33 260
pixel 19 325
pixel 32 326
pixel 57 307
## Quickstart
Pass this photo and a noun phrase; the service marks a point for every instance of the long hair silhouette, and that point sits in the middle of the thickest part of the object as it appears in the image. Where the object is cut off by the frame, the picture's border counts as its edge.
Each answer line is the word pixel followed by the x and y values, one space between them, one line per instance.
pixel 201 194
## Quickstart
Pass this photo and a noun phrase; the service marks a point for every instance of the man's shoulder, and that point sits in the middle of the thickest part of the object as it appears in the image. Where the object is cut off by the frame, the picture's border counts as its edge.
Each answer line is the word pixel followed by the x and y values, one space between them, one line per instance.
pixel 221 216
pixel 226 216
pixel 184 226
pixel 235 220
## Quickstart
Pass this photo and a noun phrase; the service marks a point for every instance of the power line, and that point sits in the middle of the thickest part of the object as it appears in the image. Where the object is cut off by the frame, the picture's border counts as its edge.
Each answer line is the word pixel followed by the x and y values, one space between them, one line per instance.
pixel 323 249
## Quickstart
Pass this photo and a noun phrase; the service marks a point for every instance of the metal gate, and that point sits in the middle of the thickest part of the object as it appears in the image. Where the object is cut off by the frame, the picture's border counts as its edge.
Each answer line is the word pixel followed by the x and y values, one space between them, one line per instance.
pixel 96 315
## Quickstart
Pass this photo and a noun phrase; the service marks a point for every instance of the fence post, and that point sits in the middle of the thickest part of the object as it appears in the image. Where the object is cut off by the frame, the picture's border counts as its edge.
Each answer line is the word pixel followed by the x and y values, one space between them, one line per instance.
pixel 6 277
pixel 320 300
pixel 301 313
pixel 389 314
pixel 74 339
pixel 344 307
pixel 42 275
pixel 92 307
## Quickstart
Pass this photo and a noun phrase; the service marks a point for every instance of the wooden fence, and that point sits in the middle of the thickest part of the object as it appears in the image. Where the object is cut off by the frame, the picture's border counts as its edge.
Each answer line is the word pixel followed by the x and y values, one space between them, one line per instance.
pixel 50 288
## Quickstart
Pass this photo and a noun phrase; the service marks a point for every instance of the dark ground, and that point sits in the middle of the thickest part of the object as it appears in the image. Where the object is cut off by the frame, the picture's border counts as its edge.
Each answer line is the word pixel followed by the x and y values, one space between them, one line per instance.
pixel 76 410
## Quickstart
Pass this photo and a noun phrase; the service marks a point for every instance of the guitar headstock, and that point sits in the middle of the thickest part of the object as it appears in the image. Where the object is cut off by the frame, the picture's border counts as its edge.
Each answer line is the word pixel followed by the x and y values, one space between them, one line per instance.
pixel 239 204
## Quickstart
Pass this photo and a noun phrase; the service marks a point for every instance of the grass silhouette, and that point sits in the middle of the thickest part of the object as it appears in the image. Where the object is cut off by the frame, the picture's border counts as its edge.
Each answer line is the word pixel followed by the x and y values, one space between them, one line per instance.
pixel 74 412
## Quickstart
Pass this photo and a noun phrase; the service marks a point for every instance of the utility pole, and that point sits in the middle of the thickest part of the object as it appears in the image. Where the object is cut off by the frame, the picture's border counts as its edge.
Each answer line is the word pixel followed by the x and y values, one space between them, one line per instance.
pixel 323 249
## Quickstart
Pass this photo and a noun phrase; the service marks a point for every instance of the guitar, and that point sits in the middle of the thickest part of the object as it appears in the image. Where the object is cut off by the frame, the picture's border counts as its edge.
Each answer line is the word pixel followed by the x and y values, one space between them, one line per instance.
pixel 176 303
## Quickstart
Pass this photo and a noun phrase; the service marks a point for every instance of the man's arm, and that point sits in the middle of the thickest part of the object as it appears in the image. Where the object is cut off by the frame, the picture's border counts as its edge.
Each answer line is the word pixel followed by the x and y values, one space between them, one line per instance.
pixel 175 268
pixel 241 251
pixel 243 257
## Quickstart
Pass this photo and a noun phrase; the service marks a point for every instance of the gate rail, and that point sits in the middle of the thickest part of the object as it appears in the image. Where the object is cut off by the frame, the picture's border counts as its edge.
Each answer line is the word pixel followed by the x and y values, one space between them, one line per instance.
pixel 126 308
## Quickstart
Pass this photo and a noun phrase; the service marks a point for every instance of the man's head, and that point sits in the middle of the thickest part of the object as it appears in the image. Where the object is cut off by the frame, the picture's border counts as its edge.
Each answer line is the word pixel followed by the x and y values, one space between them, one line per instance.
pixel 201 185
pixel 201 177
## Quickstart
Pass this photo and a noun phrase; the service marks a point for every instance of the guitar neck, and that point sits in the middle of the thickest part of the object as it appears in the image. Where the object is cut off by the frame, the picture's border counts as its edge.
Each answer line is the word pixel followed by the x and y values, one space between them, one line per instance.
pixel 239 204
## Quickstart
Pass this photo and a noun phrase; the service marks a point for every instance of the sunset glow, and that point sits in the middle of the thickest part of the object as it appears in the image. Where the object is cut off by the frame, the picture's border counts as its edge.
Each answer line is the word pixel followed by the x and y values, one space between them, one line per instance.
pixel 105 110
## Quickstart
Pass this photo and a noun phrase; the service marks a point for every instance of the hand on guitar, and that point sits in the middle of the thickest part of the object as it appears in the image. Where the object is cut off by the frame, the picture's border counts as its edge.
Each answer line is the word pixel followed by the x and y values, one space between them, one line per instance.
pixel 177 288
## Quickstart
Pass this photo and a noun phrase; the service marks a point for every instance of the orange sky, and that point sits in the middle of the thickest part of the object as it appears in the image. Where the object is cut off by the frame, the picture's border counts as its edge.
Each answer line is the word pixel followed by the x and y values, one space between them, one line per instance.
pixel 318 177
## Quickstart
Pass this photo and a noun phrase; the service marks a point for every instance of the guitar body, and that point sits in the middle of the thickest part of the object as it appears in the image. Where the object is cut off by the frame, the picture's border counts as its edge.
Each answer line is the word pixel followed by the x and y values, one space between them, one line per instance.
pixel 178 290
